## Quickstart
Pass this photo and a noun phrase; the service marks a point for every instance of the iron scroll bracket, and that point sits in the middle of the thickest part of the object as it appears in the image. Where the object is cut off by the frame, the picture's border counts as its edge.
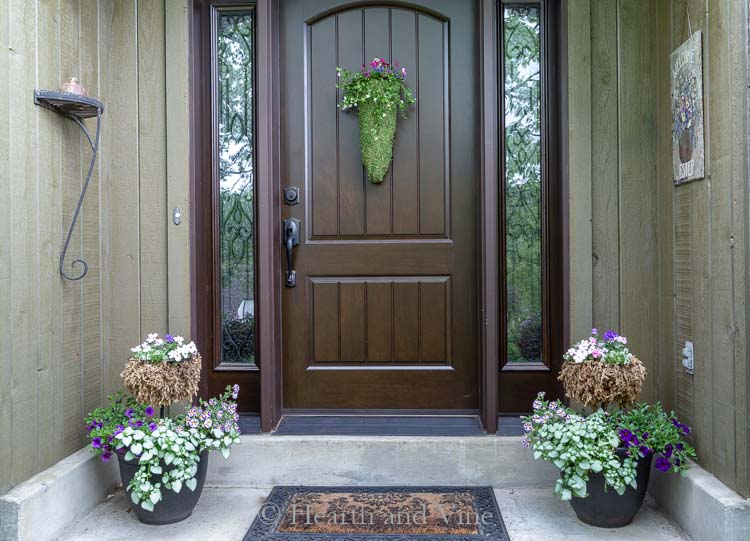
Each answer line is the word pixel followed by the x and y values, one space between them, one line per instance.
pixel 76 108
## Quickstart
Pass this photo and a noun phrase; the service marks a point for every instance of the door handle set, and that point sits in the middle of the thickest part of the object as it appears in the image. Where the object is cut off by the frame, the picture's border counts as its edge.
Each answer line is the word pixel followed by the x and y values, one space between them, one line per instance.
pixel 290 240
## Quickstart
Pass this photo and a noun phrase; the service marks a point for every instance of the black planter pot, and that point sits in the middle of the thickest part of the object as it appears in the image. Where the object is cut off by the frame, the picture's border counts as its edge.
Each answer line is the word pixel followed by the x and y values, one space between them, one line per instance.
pixel 609 509
pixel 173 506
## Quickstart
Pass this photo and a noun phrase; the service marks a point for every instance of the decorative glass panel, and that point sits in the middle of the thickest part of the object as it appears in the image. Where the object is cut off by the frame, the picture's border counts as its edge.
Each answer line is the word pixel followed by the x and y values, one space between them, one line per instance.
pixel 523 182
pixel 235 60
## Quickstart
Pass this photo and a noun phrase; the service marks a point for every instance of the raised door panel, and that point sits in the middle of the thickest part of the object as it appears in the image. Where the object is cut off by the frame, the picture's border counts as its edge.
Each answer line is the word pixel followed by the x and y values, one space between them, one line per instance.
pixel 414 199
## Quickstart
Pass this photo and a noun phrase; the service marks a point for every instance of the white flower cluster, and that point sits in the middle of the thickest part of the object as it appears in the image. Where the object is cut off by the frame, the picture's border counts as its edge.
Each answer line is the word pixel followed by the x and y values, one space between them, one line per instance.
pixel 582 350
pixel 169 348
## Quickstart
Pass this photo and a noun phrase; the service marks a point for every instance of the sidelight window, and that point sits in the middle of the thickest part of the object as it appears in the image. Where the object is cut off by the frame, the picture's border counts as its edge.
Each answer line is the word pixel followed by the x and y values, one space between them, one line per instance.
pixel 235 171
pixel 524 178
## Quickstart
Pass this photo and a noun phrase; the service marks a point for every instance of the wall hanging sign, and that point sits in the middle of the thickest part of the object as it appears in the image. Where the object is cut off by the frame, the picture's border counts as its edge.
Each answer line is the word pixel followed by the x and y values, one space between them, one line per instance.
pixel 687 110
pixel 377 92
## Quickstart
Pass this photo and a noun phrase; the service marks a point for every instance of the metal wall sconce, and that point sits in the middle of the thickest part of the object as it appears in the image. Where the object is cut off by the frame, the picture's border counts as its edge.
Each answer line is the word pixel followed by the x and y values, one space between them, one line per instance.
pixel 76 108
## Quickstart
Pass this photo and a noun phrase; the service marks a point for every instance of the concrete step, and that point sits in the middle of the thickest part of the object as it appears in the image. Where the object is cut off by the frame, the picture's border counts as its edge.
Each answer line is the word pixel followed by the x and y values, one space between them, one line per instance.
pixel 262 461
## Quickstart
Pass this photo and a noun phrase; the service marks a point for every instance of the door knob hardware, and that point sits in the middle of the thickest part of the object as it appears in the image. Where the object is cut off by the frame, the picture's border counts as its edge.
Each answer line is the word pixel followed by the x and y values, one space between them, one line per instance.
pixel 291 196
pixel 291 239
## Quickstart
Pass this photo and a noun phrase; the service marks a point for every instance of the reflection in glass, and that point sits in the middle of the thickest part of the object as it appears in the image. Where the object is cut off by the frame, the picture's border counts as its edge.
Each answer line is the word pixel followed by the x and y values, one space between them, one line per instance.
pixel 523 182
pixel 235 51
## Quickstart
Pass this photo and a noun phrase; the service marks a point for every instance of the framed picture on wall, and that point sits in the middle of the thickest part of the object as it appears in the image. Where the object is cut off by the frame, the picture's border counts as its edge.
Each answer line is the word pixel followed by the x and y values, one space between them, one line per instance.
pixel 687 110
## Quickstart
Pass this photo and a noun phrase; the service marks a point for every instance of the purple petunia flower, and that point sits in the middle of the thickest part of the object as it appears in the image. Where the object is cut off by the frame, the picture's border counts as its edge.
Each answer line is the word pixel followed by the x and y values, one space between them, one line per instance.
pixel 235 391
pixel 668 450
pixel 96 443
pixel 106 456
pixel 610 335
pixel 129 413
pixel 628 438
pixel 118 429
pixel 663 464
pixel 139 423
pixel 152 426
pixel 645 450
pixel 168 338
pixel 149 411
pixel 682 427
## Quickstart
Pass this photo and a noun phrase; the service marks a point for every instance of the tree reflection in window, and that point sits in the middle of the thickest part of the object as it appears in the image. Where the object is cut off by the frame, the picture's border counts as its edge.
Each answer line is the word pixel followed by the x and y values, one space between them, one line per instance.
pixel 523 182
pixel 235 60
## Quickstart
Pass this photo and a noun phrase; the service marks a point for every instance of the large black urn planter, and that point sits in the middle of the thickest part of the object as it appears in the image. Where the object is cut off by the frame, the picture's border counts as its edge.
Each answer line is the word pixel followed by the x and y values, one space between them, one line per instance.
pixel 173 507
pixel 609 509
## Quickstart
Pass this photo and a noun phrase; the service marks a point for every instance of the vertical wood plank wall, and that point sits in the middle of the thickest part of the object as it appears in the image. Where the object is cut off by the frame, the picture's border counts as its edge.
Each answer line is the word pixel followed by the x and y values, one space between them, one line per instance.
pixel 668 264
pixel 710 242
pixel 63 344
pixel 613 175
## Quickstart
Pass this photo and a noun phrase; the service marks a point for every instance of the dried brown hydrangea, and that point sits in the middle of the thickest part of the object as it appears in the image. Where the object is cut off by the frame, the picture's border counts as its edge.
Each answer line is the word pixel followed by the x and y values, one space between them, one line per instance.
pixel 161 384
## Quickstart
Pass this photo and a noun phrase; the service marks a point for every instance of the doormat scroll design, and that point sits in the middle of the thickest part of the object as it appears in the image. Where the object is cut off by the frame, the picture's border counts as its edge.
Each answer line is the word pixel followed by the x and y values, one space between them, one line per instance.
pixel 378 514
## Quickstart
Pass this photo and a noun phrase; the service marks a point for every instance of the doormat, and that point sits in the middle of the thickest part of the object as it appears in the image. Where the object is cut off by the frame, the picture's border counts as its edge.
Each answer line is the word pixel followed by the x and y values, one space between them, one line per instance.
pixel 378 514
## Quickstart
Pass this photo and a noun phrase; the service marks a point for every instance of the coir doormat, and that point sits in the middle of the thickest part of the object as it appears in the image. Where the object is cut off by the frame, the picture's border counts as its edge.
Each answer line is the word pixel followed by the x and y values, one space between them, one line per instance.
pixel 378 514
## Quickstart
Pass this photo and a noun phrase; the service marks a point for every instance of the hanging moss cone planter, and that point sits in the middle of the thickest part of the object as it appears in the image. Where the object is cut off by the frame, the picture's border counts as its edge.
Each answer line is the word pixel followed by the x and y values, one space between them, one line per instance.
pixel 377 92
pixel 377 132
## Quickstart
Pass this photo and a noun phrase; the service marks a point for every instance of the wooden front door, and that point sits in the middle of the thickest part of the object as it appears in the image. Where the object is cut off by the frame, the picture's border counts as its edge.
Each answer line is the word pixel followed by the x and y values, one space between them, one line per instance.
pixel 384 312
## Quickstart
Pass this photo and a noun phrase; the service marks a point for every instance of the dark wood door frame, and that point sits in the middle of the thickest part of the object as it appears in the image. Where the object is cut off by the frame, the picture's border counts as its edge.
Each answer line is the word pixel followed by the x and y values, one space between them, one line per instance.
pixel 489 199
pixel 265 384
pixel 269 202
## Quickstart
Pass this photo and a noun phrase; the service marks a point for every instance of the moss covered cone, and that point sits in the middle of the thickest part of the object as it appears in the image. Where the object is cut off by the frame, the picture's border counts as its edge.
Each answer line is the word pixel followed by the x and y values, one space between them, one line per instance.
pixel 377 130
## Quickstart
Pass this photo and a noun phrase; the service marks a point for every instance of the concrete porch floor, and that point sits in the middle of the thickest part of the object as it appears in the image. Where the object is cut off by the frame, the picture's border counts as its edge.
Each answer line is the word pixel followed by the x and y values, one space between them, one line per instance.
pixel 225 513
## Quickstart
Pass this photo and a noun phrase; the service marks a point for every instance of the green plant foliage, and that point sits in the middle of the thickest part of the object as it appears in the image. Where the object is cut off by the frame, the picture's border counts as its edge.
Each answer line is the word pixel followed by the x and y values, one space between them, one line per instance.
pixel 580 445
pixel 377 91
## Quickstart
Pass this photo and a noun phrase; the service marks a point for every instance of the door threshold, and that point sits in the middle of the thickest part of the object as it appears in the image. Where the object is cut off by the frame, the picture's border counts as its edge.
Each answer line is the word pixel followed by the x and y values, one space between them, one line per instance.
pixel 380 425
pixel 299 412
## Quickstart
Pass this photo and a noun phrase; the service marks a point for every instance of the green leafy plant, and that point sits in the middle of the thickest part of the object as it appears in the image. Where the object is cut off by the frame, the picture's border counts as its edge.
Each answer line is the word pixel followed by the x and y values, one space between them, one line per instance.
pixel 647 429
pixel 377 92
pixel 104 423
pixel 171 448
pixel 581 445
pixel 577 446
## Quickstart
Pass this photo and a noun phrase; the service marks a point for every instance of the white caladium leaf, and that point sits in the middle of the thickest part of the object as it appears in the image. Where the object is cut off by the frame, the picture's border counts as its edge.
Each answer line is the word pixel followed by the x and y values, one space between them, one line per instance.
pixel 177 485
pixel 191 483
pixel 147 505
pixel 168 458
pixel 225 452
pixel 136 449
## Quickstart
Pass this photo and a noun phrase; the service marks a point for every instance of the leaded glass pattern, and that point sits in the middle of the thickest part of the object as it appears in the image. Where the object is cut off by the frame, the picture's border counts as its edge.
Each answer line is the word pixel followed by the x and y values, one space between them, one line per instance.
pixel 235 62
pixel 523 181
